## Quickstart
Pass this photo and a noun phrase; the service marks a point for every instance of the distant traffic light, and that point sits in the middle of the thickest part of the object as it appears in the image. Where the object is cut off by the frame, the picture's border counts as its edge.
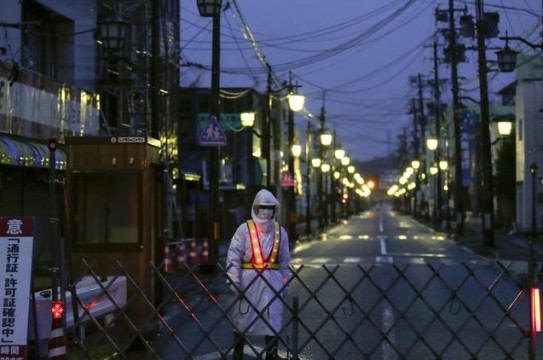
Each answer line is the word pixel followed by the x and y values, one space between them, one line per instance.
pixel 372 184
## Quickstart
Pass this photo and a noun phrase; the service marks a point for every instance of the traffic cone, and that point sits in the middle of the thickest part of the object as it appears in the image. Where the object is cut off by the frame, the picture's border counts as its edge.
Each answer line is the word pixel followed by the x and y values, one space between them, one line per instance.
pixel 181 259
pixel 167 259
pixel 193 257
pixel 57 341
pixel 204 259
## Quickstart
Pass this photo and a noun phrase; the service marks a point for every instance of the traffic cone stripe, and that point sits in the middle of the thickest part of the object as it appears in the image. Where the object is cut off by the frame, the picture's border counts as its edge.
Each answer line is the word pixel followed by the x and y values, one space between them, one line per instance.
pixel 205 252
pixel 57 352
pixel 57 332
pixel 167 260
pixel 181 258
pixel 193 257
pixel 57 345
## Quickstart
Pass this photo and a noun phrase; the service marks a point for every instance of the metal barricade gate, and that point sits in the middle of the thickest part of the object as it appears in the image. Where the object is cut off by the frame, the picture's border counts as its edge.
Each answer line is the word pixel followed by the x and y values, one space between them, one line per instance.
pixel 432 310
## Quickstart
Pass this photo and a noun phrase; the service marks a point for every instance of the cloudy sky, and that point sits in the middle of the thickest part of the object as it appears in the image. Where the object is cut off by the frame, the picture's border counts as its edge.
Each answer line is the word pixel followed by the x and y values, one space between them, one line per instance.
pixel 354 57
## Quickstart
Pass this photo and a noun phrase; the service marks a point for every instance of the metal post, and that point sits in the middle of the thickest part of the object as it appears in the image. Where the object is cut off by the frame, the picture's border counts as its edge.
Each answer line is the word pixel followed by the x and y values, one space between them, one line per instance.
pixel 488 202
pixel 54 222
pixel 531 260
pixel 439 197
pixel 416 147
pixel 333 183
pixel 458 183
pixel 322 203
pixel 267 130
pixel 292 216
pixel 421 144
pixel 533 172
pixel 214 208
pixel 308 179
pixel 295 325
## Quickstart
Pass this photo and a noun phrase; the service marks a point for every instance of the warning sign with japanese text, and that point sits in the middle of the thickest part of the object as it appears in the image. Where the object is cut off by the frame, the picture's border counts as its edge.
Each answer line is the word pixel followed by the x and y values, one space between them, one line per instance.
pixel 16 241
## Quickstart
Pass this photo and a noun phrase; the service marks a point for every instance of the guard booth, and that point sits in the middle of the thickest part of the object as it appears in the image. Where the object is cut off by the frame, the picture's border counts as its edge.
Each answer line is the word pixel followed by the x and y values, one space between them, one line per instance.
pixel 114 192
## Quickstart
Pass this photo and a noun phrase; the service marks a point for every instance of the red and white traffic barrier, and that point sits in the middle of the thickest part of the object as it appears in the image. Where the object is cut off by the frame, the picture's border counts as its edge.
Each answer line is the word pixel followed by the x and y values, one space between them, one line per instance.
pixel 57 341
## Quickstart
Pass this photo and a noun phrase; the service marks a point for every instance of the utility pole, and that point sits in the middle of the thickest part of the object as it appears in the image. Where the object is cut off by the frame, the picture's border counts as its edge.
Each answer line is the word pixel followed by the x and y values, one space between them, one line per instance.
pixel 416 147
pixel 322 203
pixel 422 141
pixel 437 99
pixel 267 129
pixel 292 216
pixel 214 151
pixel 308 180
pixel 488 203
pixel 458 183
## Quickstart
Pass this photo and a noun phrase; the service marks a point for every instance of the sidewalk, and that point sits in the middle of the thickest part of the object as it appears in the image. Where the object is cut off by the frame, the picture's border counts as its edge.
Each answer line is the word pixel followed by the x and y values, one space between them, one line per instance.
pixel 507 245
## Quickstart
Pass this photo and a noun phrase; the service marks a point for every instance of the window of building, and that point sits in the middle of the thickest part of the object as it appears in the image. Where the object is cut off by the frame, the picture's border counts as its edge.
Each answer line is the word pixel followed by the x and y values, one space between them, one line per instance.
pixel 107 210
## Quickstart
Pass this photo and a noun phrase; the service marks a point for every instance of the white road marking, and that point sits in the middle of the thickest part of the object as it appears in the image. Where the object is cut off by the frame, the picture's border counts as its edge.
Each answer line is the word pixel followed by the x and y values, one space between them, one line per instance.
pixel 384 259
pixel 418 261
pixel 382 241
pixel 320 260
pixel 351 260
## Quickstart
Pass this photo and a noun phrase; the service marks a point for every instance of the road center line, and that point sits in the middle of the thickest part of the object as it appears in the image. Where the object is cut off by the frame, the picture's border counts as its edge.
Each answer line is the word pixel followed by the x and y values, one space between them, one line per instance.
pixel 383 245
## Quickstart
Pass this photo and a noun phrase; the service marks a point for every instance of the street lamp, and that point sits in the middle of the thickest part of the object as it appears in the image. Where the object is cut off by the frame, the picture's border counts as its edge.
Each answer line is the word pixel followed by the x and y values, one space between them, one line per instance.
pixel 212 8
pixel 316 163
pixel 113 32
pixel 296 150
pixel 296 103
pixel 326 139
pixel 507 57
pixel 339 154
pixel 505 127
pixel 308 179
pixel 504 130
pixel 247 119
pixel 432 143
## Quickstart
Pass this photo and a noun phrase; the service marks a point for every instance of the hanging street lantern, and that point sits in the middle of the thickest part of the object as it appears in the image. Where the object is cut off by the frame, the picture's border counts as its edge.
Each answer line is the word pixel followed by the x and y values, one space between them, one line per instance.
pixel 113 33
pixel 296 102
pixel 209 8
pixel 507 58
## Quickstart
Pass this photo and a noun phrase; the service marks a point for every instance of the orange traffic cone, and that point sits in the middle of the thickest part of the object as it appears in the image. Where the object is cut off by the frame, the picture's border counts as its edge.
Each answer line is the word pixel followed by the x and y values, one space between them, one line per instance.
pixel 57 341
pixel 204 259
pixel 167 259
pixel 181 260
pixel 193 257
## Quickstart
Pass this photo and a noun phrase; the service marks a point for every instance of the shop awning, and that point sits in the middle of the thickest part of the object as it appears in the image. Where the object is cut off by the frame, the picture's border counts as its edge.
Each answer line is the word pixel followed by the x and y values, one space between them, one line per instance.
pixel 20 151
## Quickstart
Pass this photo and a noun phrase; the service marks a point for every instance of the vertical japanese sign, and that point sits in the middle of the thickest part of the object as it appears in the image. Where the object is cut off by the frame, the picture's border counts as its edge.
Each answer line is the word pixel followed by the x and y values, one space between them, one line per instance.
pixel 16 240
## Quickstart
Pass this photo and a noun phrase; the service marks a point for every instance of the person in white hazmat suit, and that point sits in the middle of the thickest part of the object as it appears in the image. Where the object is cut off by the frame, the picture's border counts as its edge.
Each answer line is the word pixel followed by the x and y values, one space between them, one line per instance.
pixel 259 246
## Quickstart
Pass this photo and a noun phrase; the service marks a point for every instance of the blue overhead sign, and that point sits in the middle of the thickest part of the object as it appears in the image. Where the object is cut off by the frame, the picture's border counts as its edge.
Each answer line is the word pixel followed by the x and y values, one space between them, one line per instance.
pixel 212 135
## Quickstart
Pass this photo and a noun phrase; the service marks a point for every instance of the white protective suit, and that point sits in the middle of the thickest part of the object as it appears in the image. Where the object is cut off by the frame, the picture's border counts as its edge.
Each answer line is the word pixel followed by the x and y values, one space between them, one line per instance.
pixel 257 291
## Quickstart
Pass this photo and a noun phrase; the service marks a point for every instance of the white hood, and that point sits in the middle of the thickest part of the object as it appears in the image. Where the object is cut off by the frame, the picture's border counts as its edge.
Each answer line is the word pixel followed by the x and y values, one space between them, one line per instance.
pixel 264 197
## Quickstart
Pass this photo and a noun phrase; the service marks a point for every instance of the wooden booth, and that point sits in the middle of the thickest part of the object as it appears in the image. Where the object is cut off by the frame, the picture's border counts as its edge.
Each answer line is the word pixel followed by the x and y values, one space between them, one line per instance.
pixel 114 199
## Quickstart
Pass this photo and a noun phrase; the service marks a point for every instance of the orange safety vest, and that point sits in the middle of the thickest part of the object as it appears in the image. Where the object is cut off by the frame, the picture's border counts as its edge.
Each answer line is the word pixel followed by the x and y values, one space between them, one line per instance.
pixel 257 260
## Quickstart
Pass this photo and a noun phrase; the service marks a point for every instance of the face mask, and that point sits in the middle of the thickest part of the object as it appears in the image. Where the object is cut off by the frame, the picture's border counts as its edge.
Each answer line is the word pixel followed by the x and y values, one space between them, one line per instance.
pixel 265 214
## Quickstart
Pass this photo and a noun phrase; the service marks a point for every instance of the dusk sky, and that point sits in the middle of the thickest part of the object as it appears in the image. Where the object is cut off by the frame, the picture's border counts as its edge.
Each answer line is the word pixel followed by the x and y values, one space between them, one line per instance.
pixel 355 57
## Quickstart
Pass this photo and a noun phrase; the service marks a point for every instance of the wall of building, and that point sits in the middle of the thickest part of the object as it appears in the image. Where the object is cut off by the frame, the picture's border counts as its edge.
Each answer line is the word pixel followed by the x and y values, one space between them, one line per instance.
pixel 529 146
